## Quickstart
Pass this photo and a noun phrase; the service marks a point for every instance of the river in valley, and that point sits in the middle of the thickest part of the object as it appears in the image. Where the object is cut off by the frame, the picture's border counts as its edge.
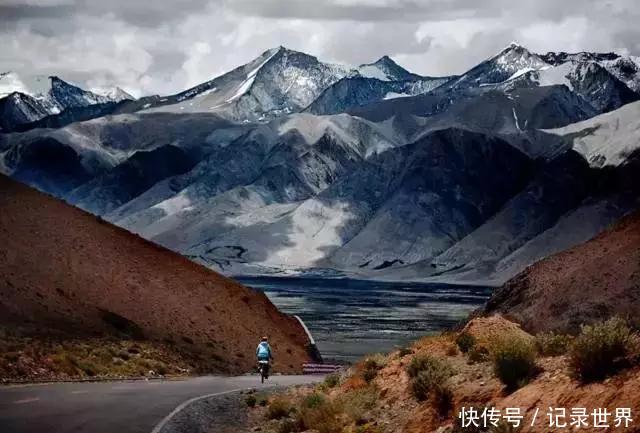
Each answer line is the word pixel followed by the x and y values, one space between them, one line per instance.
pixel 351 318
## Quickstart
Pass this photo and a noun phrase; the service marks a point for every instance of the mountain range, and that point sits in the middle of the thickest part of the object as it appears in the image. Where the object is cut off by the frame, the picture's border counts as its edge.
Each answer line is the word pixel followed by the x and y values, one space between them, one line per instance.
pixel 291 165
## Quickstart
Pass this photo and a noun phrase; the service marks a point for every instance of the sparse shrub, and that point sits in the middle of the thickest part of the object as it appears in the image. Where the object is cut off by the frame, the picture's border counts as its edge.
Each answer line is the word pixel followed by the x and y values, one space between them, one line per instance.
pixel 427 362
pixel 251 400
pixel 313 400
pixel 66 363
pixel 89 368
pixel 371 366
pixel 433 383
pixel 161 368
pixel 429 376
pixel 478 354
pixel 376 360
pixel 443 399
pixel 369 374
pixel 452 350
pixel 404 352
pixel 552 344
pixel 601 349
pixel 367 428
pixel 287 426
pixel 358 402
pixel 514 361
pixel 331 380
pixel 262 401
pixel 324 418
pixel 465 342
pixel 279 407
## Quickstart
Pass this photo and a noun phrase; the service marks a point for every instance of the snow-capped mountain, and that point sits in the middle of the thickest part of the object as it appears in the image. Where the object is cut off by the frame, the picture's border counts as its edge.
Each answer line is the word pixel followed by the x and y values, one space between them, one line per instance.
pixel 384 69
pixel 370 83
pixel 114 94
pixel 509 63
pixel 28 99
pixel 606 81
pixel 289 163
pixel 282 81
pixel 279 81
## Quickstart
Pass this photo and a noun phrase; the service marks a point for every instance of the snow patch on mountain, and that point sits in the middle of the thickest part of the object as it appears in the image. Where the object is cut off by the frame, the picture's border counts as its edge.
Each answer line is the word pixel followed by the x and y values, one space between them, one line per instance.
pixel 555 75
pixel 394 95
pixel 114 94
pixel 606 140
pixel 248 81
pixel 384 69
pixel 370 71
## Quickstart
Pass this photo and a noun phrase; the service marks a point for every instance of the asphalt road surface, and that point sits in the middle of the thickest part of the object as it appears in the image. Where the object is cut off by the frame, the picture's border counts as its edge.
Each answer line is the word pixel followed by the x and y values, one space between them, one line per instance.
pixel 112 407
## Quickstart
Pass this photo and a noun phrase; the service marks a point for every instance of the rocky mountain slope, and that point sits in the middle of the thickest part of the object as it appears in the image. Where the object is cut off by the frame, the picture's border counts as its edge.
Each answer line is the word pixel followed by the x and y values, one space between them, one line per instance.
pixel 370 83
pixel 393 188
pixel 587 283
pixel 69 272
pixel 279 81
pixel 589 182
pixel 26 100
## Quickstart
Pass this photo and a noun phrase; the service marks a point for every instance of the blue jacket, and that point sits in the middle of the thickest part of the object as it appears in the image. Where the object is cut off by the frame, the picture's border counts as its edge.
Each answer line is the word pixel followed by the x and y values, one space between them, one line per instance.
pixel 263 351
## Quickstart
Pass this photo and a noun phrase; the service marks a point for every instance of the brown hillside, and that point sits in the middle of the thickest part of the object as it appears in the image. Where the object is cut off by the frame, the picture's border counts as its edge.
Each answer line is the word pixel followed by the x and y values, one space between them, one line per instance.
pixel 592 281
pixel 375 395
pixel 65 270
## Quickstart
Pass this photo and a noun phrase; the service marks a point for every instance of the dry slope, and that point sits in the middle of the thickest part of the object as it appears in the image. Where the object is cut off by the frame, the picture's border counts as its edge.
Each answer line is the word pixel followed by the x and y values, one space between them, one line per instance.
pixel 592 281
pixel 65 270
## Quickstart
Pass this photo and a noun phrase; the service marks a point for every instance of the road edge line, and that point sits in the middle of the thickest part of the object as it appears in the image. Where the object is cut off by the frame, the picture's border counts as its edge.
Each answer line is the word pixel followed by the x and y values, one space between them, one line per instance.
pixel 312 341
pixel 158 428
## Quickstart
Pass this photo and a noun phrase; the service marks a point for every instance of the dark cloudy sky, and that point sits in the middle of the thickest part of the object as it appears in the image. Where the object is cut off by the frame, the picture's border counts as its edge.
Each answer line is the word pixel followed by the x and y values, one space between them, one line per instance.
pixel 158 46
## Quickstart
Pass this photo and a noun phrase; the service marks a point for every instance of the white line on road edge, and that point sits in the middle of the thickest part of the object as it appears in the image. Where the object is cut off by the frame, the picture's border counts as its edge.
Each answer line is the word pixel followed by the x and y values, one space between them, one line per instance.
pixel 26 400
pixel 158 428
pixel 311 340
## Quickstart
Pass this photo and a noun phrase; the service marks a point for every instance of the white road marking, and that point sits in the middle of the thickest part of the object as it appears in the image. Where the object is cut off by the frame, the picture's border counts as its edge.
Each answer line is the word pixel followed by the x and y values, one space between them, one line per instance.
pixel 26 400
pixel 158 428
pixel 79 392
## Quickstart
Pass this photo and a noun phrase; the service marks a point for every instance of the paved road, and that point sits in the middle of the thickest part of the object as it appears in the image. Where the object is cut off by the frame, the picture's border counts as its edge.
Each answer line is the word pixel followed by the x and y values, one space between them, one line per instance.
pixel 111 407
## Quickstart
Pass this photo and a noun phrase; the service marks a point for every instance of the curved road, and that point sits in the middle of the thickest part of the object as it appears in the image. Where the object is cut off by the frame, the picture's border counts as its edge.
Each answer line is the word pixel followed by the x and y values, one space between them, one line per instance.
pixel 112 407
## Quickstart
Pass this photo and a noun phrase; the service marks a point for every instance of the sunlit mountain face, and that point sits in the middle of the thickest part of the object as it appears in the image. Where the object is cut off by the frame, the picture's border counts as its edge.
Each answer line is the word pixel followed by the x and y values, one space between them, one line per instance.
pixel 291 165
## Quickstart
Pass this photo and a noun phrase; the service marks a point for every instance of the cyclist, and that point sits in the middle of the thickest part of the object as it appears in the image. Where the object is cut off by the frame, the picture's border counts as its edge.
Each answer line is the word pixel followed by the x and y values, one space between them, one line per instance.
pixel 264 353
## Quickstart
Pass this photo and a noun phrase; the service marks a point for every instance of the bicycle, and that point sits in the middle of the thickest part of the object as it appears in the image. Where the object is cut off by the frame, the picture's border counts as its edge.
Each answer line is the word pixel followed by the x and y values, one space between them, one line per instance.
pixel 263 368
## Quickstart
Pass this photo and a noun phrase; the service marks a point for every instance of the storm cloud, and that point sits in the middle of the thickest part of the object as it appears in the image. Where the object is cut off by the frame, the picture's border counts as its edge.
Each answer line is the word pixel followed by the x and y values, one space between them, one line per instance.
pixel 160 47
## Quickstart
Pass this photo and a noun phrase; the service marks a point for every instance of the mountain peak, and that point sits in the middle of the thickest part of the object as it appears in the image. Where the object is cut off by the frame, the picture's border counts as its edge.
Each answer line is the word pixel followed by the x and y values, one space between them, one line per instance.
pixel 281 49
pixel 55 80
pixel 384 69
pixel 385 60
pixel 514 47
pixel 516 56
